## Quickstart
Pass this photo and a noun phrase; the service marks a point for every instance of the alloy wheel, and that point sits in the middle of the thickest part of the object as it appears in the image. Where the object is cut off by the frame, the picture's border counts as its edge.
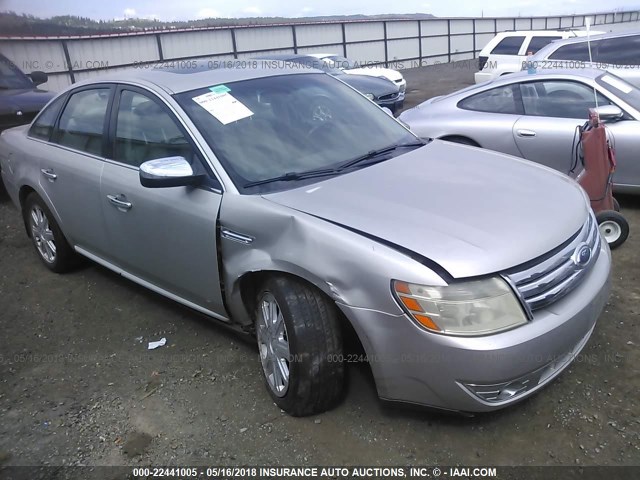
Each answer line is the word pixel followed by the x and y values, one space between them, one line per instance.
pixel 273 343
pixel 42 234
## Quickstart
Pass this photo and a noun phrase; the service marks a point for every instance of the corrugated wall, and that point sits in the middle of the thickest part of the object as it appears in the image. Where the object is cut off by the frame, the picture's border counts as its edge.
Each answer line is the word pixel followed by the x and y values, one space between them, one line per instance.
pixel 397 43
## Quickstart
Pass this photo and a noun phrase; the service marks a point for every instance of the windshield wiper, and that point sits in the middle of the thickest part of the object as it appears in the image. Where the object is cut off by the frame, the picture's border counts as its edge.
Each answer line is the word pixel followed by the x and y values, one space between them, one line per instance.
pixel 323 172
pixel 377 153
pixel 292 176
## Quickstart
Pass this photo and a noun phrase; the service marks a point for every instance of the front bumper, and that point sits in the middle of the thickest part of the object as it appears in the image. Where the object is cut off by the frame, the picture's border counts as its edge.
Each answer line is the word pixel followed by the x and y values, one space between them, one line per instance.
pixel 412 365
pixel 394 104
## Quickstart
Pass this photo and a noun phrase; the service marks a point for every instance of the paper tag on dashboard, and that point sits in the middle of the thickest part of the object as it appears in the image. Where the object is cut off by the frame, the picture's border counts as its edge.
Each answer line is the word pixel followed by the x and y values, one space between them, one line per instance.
pixel 224 106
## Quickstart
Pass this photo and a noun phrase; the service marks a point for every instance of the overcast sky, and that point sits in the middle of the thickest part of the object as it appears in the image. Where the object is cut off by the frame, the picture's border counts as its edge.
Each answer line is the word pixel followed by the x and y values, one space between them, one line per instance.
pixel 192 9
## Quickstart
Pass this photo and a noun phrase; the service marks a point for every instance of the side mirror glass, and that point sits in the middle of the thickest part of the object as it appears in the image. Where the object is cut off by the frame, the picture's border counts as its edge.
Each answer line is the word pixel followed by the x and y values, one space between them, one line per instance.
pixel 609 112
pixel 168 172
pixel 38 77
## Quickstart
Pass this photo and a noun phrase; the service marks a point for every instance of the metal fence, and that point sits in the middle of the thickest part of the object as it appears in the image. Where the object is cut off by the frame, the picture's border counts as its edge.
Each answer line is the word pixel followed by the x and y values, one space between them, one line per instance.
pixel 396 43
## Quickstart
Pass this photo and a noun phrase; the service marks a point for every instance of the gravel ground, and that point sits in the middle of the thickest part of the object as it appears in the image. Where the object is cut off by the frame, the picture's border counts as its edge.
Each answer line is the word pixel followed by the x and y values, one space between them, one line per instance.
pixel 79 387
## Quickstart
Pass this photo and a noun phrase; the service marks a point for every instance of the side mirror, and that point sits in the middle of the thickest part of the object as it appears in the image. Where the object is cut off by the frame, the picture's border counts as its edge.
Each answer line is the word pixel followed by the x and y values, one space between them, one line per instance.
pixel 168 172
pixel 609 112
pixel 38 77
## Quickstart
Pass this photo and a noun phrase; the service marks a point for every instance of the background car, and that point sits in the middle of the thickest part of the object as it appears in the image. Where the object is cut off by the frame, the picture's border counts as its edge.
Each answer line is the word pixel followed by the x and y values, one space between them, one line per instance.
pixel 535 117
pixel 379 90
pixel 506 51
pixel 353 68
pixel 20 99
pixel 222 190
pixel 618 53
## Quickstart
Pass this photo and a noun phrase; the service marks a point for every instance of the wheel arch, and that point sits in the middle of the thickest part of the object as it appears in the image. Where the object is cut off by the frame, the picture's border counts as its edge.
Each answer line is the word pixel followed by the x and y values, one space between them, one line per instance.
pixel 249 285
pixel 23 193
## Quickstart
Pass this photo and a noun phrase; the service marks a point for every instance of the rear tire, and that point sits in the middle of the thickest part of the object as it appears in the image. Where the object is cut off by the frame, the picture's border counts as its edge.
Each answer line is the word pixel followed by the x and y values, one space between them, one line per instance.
pixel 614 228
pixel 300 345
pixel 49 241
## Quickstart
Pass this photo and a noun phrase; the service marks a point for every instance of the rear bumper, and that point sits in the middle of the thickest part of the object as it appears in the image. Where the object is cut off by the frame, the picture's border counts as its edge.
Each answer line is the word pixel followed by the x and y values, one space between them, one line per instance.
pixel 412 365
pixel 481 77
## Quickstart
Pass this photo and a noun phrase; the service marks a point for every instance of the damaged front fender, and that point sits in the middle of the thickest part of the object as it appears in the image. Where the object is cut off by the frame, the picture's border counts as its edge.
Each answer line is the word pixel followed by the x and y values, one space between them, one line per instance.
pixel 257 235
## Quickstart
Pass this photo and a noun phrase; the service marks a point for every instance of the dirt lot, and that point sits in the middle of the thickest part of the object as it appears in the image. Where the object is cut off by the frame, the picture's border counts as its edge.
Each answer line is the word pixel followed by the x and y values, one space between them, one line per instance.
pixel 78 386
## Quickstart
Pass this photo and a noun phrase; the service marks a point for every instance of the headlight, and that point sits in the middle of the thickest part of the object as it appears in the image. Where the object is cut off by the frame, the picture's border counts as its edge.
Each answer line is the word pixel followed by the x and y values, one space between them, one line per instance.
pixel 370 96
pixel 476 307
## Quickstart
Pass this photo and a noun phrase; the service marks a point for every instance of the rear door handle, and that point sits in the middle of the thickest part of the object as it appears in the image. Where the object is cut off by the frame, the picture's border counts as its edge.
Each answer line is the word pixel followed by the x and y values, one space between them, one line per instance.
pixel 120 202
pixel 526 133
pixel 48 172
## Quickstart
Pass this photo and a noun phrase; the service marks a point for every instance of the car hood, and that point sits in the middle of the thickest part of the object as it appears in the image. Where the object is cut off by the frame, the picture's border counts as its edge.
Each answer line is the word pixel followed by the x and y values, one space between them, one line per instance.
pixel 367 84
pixel 387 73
pixel 472 211
pixel 26 100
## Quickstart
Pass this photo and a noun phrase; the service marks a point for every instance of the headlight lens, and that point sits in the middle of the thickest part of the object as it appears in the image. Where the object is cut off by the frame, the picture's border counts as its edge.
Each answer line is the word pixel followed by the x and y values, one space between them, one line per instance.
pixel 472 308
pixel 370 96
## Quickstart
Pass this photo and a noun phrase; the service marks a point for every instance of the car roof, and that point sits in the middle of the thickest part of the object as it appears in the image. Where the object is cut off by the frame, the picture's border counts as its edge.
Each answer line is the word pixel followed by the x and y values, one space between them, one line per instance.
pixel 191 75
pixel 588 73
pixel 599 36
pixel 513 33
pixel 323 54
pixel 551 74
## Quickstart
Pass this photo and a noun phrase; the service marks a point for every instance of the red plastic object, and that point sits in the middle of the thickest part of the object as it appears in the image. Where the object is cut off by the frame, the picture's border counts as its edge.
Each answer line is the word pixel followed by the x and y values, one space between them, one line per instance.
pixel 599 164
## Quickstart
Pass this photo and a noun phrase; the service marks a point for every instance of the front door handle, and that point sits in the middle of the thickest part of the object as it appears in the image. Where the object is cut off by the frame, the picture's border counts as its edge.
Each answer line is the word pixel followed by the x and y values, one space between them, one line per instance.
pixel 120 202
pixel 526 133
pixel 49 174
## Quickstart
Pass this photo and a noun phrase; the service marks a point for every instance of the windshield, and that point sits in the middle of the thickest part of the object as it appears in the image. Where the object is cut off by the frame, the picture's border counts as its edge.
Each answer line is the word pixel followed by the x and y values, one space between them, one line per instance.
pixel 620 88
pixel 11 77
pixel 270 127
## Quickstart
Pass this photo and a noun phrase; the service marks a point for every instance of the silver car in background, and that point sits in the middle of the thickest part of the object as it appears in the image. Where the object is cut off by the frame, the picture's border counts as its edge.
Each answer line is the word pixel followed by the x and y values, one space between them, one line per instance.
pixel 223 191
pixel 618 53
pixel 534 116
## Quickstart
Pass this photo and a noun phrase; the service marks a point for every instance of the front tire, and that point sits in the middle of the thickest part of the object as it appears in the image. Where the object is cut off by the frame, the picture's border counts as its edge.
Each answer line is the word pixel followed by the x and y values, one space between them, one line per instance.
pixel 300 345
pixel 48 240
pixel 614 228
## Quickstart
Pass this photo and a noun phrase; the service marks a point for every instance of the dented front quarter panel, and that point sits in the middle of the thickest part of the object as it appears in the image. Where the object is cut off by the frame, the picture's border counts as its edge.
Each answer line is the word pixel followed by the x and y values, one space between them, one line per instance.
pixel 351 269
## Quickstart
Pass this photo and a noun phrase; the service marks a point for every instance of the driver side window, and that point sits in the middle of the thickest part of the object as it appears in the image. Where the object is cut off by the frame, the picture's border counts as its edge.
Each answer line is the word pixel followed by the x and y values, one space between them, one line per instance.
pixel 560 99
pixel 146 131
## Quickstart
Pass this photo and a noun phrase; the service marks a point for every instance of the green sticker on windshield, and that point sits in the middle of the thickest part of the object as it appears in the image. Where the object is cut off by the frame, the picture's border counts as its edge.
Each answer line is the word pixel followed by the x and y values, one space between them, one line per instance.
pixel 220 89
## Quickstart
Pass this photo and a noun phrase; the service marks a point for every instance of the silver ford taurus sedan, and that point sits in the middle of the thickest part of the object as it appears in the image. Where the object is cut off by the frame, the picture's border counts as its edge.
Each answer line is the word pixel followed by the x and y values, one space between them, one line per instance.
pixel 468 289
pixel 534 116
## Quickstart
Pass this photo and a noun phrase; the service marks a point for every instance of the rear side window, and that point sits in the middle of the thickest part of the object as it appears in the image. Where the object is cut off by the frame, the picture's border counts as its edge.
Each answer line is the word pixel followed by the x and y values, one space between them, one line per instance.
pixel 496 100
pixel 537 43
pixel 620 51
pixel 81 124
pixel 42 128
pixel 508 46
pixel 574 51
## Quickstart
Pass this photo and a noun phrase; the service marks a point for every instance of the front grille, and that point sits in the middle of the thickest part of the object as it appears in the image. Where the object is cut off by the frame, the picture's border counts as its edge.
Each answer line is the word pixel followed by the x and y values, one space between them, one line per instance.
pixel 391 96
pixel 554 277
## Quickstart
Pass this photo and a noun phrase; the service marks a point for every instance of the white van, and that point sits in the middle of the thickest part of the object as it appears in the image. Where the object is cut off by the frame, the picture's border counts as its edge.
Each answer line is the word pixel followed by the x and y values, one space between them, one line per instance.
pixel 507 50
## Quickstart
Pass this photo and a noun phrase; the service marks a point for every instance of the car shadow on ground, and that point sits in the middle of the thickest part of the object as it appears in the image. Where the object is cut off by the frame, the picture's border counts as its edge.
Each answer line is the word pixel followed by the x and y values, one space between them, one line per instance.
pixel 4 196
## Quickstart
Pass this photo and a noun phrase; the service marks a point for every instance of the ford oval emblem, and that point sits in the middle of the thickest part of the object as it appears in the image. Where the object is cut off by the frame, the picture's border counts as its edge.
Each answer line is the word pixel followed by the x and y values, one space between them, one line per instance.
pixel 581 255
